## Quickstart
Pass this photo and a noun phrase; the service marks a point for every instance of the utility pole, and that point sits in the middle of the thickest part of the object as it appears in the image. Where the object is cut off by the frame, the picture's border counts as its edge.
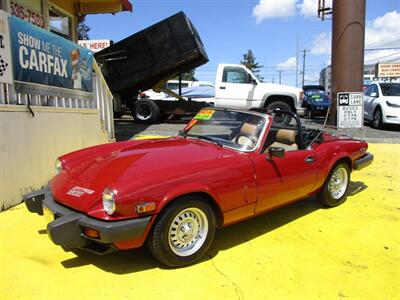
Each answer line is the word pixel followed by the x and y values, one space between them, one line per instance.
pixel 304 65
pixel 297 60
pixel 348 30
pixel 265 68
pixel 280 76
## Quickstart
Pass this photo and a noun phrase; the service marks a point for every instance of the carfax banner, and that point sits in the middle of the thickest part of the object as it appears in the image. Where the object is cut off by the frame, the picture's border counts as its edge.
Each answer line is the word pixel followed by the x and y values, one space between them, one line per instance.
pixel 45 58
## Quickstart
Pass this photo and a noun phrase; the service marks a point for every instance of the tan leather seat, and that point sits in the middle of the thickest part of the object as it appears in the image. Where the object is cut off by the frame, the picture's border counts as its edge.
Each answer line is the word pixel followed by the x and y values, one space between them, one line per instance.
pixel 286 139
pixel 248 135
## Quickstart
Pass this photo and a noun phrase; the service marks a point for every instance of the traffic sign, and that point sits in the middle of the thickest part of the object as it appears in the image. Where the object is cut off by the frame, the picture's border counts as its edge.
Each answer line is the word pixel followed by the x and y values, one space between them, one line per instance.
pixel 350 110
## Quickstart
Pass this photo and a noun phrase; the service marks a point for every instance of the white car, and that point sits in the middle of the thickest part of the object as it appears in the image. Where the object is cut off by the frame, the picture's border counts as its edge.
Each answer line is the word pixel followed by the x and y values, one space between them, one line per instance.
pixel 382 103
pixel 173 85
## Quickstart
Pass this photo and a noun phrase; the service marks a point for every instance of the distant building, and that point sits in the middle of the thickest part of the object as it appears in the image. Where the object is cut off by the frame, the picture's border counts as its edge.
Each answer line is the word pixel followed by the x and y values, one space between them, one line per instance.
pixel 369 76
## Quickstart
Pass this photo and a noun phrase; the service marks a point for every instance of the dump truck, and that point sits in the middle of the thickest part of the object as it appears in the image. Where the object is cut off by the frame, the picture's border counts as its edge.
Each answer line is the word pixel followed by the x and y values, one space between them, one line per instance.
pixel 149 58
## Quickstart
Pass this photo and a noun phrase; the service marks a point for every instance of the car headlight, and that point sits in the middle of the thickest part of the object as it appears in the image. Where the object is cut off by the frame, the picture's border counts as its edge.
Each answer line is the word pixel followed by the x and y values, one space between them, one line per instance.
pixel 109 201
pixel 58 165
pixel 390 104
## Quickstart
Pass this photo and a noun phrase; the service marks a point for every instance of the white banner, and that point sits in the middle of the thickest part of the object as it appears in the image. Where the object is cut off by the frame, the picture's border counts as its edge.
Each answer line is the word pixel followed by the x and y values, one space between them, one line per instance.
pixel 95 45
pixel 6 74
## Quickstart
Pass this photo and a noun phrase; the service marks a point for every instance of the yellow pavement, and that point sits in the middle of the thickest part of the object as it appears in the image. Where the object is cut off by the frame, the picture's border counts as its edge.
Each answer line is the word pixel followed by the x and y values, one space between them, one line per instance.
pixel 298 252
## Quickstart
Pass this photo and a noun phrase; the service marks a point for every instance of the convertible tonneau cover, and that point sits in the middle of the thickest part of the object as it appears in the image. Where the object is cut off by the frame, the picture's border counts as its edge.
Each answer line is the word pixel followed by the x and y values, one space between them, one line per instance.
pixel 154 54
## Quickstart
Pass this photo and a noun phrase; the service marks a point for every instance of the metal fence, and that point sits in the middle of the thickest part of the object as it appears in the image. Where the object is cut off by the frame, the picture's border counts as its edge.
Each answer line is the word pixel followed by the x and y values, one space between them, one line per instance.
pixel 101 99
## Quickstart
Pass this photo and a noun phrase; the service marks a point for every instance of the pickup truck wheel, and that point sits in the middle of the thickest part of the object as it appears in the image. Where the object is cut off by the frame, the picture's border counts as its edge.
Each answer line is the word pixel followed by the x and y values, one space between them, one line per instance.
pixel 146 111
pixel 280 119
pixel 334 190
pixel 183 233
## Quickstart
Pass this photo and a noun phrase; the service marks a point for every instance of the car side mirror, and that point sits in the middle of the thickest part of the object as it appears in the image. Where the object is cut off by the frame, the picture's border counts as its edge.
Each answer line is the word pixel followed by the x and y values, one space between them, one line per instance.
pixel 276 152
pixel 374 94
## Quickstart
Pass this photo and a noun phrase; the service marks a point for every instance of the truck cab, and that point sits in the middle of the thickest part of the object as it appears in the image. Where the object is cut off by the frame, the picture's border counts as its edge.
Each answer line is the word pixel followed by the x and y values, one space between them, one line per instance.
pixel 236 86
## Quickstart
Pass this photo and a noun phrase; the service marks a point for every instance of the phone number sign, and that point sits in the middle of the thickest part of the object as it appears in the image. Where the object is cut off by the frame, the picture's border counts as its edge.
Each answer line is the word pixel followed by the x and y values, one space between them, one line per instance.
pixel 27 14
pixel 350 110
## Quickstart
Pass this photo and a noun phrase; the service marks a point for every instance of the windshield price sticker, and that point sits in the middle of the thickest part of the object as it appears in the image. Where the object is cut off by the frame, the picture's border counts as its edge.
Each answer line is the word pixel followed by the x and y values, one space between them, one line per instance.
pixel 205 114
pixel 350 110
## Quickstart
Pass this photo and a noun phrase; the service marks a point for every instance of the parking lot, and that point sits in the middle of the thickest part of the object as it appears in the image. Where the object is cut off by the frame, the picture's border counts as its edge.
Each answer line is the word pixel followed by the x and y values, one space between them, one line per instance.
pixel 126 128
pixel 302 251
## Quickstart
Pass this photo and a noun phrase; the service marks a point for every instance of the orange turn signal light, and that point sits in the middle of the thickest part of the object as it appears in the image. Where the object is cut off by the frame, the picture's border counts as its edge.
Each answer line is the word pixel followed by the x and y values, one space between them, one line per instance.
pixel 91 233
pixel 145 207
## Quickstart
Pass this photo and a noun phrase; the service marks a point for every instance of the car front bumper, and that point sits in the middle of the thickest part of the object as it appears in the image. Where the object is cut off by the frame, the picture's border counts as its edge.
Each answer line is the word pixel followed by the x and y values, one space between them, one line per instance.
pixel 363 162
pixel 66 227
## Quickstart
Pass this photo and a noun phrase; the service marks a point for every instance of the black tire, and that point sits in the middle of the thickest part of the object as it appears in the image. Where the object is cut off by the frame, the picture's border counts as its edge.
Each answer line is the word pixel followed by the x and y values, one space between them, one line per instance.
pixel 117 114
pixel 146 111
pixel 177 217
pixel 327 195
pixel 377 119
pixel 281 105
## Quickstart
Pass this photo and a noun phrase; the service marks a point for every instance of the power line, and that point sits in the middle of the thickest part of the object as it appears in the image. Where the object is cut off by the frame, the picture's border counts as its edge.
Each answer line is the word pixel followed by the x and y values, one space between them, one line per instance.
pixel 381 57
pixel 376 49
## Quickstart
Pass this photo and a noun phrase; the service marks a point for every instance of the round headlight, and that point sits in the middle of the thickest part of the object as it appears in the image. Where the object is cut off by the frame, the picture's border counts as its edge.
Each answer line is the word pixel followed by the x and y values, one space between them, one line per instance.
pixel 108 202
pixel 58 165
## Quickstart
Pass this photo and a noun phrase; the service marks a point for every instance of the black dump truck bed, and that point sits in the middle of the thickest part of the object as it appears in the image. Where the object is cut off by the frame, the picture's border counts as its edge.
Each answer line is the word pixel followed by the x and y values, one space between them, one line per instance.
pixel 154 54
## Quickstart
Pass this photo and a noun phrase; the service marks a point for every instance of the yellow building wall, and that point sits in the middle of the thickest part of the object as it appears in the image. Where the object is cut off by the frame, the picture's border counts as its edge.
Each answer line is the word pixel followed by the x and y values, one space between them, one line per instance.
pixel 68 6
pixel 29 145
pixel 33 4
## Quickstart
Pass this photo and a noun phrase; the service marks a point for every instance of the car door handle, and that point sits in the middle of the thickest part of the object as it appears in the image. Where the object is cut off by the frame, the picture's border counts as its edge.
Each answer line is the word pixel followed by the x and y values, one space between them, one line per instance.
pixel 310 159
pixel 222 87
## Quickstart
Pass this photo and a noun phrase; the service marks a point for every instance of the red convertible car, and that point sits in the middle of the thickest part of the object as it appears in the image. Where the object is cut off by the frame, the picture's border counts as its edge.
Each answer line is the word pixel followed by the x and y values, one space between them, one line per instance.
pixel 225 166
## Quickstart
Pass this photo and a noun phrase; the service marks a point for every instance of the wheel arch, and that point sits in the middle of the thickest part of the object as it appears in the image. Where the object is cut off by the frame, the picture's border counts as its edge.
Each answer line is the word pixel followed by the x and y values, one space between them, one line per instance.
pixel 288 99
pixel 205 196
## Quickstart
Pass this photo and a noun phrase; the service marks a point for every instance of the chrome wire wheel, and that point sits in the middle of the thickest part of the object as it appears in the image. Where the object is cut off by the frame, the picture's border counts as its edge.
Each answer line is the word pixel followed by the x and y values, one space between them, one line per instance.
pixel 188 231
pixel 338 183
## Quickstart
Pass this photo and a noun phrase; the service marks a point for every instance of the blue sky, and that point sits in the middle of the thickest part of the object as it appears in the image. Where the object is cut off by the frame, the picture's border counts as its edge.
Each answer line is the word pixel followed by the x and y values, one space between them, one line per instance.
pixel 270 28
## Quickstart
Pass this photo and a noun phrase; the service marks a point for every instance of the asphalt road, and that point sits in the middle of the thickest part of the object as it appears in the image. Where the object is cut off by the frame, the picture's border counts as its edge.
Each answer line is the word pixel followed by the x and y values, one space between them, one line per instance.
pixel 126 128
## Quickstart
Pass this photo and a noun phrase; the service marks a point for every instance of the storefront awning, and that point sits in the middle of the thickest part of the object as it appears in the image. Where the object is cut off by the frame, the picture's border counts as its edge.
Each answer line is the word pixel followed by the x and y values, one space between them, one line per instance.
pixel 103 6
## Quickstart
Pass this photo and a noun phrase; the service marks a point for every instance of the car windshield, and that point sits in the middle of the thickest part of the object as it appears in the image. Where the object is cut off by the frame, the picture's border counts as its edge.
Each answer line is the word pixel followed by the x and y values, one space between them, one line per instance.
pixel 227 128
pixel 390 89
pixel 314 92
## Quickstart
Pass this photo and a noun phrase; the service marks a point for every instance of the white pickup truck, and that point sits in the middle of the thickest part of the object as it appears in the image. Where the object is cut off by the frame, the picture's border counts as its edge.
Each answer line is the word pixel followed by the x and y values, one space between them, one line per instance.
pixel 235 86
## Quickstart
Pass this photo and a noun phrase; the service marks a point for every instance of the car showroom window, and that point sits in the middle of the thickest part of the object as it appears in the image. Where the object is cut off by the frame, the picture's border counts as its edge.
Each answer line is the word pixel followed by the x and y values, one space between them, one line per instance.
pixel 235 75
pixel 60 23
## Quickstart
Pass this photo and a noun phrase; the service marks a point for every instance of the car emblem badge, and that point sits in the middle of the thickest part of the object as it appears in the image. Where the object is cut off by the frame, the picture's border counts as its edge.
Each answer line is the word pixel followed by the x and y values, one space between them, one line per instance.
pixel 78 191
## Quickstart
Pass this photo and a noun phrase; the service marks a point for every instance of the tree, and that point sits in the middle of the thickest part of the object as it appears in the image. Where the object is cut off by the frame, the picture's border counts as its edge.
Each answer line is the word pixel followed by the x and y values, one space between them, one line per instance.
pixel 83 29
pixel 249 61
pixel 187 75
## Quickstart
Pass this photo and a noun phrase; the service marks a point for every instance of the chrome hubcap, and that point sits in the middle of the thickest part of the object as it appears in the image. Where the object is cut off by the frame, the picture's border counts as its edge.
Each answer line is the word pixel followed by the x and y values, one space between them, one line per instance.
pixel 188 231
pixel 338 183
pixel 144 111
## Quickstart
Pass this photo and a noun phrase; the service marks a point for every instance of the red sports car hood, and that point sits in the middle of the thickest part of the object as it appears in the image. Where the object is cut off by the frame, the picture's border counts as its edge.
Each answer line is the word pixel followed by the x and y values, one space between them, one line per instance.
pixel 81 185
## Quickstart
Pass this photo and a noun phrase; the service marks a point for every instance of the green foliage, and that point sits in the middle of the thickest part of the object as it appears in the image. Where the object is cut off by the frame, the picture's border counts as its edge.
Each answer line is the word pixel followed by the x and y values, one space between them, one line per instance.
pixel 187 76
pixel 249 61
pixel 82 28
